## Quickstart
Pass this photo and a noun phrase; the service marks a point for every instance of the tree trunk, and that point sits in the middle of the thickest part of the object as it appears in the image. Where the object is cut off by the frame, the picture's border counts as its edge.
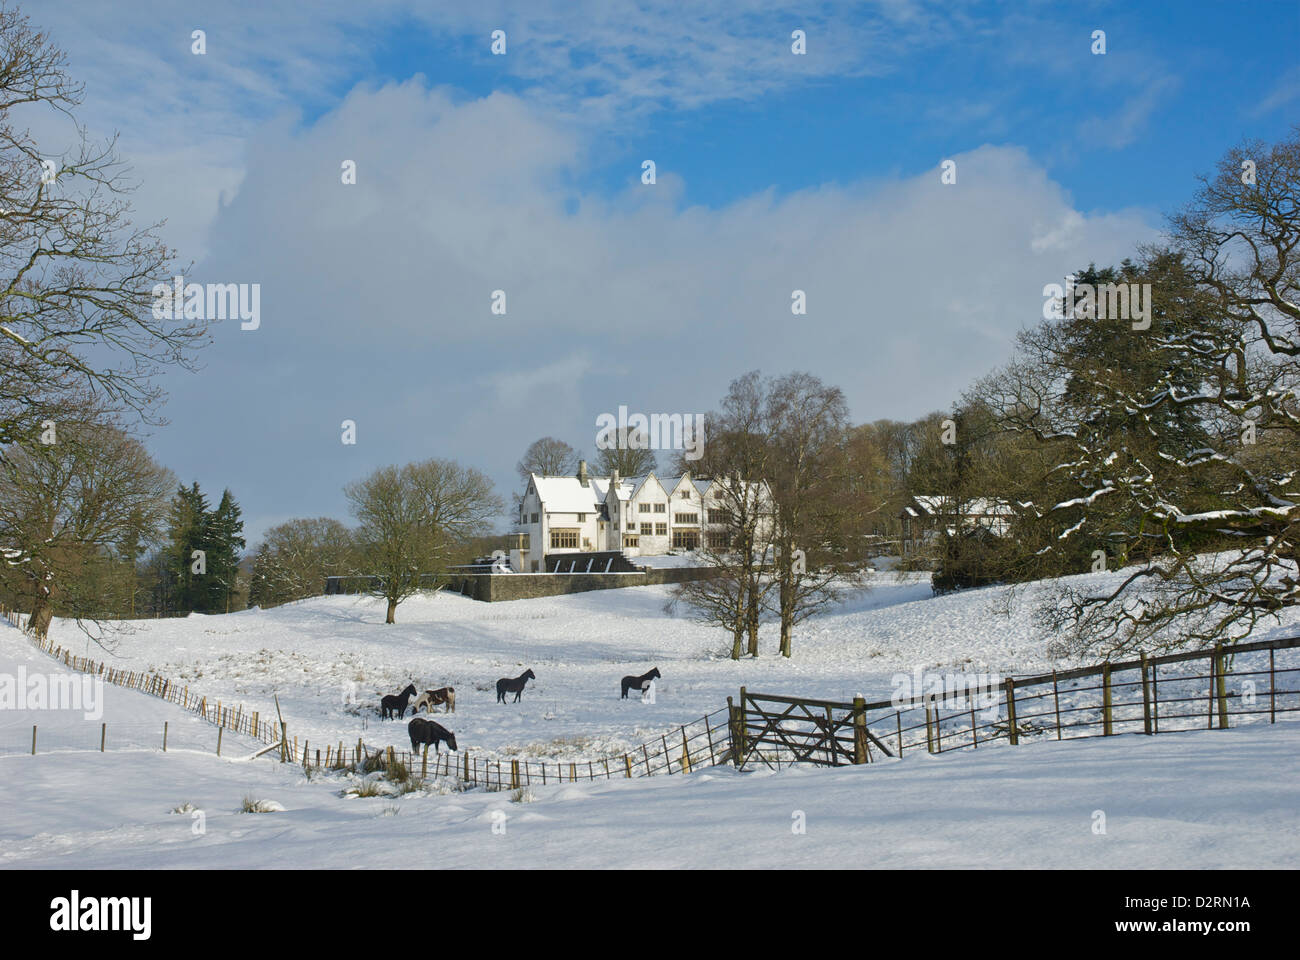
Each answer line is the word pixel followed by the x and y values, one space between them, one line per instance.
pixel 392 611
pixel 751 619
pixel 787 610
pixel 42 614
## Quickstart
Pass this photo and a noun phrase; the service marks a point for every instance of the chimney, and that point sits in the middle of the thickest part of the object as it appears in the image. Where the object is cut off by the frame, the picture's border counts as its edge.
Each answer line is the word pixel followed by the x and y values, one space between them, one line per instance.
pixel 582 472
pixel 613 482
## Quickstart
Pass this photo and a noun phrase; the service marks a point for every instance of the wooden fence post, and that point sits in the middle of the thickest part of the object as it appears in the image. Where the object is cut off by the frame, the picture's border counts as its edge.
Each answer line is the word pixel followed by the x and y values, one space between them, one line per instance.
pixel 33 739
pixel 859 730
pixel 103 734
pixel 741 724
pixel 627 762
pixel 1155 698
pixel 220 730
pixel 1105 699
pixel 164 736
pixel 898 717
pixel 514 774
pixel 1272 685
pixel 1209 694
pixel 424 762
pixel 1056 699
pixel 929 731
pixel 1146 698
pixel 1013 735
pixel 1223 688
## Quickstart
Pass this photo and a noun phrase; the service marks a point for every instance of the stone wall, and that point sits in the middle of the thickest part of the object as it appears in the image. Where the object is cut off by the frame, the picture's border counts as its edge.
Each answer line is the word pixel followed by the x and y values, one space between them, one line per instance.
pixel 522 586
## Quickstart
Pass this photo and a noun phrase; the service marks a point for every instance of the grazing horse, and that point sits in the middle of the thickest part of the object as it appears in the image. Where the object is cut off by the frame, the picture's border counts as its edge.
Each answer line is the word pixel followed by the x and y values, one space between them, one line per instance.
pixel 398 703
pixel 516 686
pixel 431 698
pixel 426 731
pixel 639 683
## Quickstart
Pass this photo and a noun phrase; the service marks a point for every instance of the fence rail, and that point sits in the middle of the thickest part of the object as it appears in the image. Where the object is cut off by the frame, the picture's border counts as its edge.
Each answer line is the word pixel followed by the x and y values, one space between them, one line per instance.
pixel 1193 690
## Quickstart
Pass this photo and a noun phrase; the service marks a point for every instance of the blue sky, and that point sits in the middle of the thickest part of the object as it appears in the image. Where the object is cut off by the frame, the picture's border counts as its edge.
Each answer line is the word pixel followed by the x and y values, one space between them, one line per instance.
pixel 521 172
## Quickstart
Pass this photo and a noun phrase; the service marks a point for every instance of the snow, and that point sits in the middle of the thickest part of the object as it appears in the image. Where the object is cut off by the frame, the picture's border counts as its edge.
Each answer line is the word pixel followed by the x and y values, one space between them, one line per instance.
pixel 1209 798
pixel 1212 799
pixel 330 659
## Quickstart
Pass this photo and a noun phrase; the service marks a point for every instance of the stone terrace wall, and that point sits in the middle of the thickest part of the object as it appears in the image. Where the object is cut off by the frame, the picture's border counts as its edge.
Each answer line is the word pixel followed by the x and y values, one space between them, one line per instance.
pixel 523 586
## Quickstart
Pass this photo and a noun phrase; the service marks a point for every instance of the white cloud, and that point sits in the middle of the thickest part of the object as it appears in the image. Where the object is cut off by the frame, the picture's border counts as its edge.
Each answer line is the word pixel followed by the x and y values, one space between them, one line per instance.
pixel 375 297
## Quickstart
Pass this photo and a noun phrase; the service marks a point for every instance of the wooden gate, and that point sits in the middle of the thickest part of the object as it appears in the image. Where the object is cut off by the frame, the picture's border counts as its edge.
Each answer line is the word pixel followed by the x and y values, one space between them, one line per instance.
pixel 776 730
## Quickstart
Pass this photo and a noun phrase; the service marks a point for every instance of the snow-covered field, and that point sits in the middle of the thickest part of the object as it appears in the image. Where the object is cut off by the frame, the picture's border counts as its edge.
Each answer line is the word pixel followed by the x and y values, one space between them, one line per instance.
pixel 1217 798
pixel 1212 799
pixel 330 659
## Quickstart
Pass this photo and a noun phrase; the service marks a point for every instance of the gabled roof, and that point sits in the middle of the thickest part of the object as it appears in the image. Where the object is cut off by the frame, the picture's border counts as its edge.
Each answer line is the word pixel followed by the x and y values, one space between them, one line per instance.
pixel 568 495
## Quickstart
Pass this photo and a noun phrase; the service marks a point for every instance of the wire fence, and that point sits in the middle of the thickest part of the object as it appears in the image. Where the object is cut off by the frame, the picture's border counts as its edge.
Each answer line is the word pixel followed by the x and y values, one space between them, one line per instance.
pixel 1245 683
pixel 702 742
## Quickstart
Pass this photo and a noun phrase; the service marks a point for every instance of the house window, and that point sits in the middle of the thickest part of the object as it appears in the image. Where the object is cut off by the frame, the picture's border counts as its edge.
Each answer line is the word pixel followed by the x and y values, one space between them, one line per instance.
pixel 582 518
pixel 661 508
pixel 630 540
pixel 686 539
pixel 686 494
pixel 564 539
pixel 534 518
pixel 661 529
pixel 644 507
pixel 719 516
pixel 648 529
pixel 687 518
pixel 719 541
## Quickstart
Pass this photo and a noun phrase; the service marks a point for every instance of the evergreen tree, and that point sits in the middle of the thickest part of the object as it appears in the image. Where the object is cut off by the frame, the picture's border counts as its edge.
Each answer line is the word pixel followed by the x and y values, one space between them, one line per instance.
pixel 186 533
pixel 224 543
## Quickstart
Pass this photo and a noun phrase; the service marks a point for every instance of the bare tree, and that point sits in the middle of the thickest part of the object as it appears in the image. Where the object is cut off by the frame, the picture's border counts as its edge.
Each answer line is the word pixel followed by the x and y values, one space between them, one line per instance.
pixel 69 504
pixel 410 518
pixel 547 457
pixel 630 454
pixel 809 474
pixel 294 559
pixel 77 278
pixel 735 458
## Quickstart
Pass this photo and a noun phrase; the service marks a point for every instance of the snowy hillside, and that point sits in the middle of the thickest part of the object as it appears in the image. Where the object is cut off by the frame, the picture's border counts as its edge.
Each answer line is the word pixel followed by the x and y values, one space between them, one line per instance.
pixel 329 659
pixel 1204 799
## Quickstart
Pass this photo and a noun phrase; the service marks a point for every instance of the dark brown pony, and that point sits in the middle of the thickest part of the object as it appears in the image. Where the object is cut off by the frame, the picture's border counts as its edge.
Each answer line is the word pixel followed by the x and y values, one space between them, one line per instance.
pixel 516 685
pixel 426 731
pixel 389 705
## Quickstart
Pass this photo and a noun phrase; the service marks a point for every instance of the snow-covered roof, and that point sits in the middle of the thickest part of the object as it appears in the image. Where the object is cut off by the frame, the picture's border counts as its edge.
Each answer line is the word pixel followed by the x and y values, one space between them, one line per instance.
pixel 568 495
pixel 979 507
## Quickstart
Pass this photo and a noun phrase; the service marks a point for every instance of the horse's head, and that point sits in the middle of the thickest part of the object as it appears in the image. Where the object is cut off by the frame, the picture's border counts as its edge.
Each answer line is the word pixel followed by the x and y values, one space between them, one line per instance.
pixel 530 675
pixel 409 691
pixel 655 673
pixel 451 741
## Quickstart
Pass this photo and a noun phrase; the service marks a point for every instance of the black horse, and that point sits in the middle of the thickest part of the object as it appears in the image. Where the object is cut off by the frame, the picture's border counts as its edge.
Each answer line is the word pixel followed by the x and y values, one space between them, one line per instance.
pixel 389 705
pixel 639 683
pixel 426 731
pixel 516 686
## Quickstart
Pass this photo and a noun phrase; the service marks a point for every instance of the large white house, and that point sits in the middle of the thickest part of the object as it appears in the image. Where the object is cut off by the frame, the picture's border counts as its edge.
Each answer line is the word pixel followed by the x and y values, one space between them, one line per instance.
pixel 639 516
